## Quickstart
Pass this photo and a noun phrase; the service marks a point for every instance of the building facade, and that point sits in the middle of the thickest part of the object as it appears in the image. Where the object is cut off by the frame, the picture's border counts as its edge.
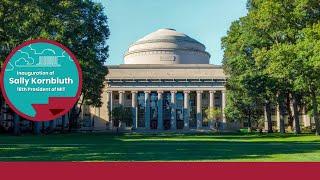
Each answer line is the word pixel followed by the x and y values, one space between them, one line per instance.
pixel 167 82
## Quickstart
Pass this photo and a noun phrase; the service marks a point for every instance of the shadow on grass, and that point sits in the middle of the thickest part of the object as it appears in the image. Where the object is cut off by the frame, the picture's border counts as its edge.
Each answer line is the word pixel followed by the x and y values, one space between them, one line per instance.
pixel 106 147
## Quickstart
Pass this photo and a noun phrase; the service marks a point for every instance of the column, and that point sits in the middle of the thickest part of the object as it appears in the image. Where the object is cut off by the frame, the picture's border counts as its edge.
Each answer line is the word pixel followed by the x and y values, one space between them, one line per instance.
pixel 173 120
pixel 199 109
pixel 109 108
pixel 186 109
pixel 223 105
pixel 160 110
pixel 212 106
pixel 211 99
pixel 147 109
pixel 134 109
pixel 121 98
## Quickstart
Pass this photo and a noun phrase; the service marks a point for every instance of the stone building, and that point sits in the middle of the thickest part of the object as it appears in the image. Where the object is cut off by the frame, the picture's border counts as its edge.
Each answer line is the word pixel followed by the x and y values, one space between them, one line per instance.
pixel 167 82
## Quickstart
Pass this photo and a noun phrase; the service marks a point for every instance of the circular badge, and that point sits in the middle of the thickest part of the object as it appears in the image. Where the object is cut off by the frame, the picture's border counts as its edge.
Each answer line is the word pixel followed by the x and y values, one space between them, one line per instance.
pixel 41 80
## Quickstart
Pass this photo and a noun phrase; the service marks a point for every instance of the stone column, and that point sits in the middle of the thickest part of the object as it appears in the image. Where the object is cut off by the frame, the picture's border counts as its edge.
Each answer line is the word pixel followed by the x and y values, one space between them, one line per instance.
pixel 110 109
pixel 147 109
pixel 211 99
pixel 199 109
pixel 134 109
pixel 173 120
pixel 186 109
pixel 212 106
pixel 121 98
pixel 223 105
pixel 160 110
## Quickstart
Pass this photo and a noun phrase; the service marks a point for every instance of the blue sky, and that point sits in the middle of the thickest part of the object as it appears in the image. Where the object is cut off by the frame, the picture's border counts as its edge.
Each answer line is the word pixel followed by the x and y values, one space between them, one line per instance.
pixel 204 20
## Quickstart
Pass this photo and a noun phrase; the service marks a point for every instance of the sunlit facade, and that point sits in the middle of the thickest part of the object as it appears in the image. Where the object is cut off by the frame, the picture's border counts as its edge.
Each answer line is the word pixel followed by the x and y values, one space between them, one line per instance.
pixel 167 82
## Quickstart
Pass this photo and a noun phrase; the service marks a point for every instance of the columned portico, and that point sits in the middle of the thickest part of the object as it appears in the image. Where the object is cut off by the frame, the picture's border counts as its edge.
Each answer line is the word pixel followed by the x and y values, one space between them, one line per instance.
pixel 134 109
pixel 173 120
pixel 186 110
pixel 160 110
pixel 199 109
pixel 175 111
pixel 147 109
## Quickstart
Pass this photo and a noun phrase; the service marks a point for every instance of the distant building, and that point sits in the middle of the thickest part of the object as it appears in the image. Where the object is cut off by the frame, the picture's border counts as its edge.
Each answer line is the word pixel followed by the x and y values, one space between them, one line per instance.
pixel 166 80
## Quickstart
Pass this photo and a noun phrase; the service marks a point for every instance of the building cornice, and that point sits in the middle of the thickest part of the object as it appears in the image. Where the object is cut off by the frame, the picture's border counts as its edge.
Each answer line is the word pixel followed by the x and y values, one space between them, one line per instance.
pixel 145 52
pixel 165 66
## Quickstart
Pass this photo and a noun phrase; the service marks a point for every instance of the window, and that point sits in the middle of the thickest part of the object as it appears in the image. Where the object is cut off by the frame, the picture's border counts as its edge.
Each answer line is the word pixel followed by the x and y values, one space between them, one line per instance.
pixel 128 96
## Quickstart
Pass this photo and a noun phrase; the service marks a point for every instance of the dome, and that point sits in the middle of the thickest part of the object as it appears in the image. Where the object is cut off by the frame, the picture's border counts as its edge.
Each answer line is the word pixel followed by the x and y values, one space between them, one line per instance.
pixel 166 46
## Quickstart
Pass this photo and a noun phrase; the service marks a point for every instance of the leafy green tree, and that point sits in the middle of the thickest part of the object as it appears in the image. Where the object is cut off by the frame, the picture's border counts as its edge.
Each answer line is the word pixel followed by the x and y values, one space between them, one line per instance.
pixel 246 82
pixel 282 21
pixel 261 49
pixel 121 114
pixel 213 114
pixel 308 56
pixel 81 25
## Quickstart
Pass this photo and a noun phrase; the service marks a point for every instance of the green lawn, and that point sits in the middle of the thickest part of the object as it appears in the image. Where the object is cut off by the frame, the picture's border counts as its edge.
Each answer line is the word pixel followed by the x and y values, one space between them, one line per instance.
pixel 164 147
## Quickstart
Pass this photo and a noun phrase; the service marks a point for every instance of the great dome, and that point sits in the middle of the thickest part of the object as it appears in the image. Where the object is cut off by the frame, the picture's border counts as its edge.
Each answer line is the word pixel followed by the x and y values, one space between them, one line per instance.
pixel 166 46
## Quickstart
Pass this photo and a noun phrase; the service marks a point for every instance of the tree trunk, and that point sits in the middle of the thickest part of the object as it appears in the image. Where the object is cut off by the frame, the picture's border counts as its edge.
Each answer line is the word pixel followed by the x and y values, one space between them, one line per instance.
pixel 289 110
pixel 282 116
pixel 36 128
pixel 63 123
pixel 294 107
pixel 315 112
pixel 74 115
pixel 268 116
pixel 249 122
pixel 51 126
pixel 16 124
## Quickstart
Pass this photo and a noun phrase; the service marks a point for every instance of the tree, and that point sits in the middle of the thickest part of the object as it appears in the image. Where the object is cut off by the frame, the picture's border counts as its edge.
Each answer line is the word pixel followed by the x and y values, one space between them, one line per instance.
pixel 213 114
pixel 308 79
pixel 246 83
pixel 121 115
pixel 81 25
pixel 287 19
pixel 262 46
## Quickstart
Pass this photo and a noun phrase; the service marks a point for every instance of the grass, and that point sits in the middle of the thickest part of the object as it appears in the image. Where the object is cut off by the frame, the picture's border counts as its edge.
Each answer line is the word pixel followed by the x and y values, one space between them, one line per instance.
pixel 161 147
